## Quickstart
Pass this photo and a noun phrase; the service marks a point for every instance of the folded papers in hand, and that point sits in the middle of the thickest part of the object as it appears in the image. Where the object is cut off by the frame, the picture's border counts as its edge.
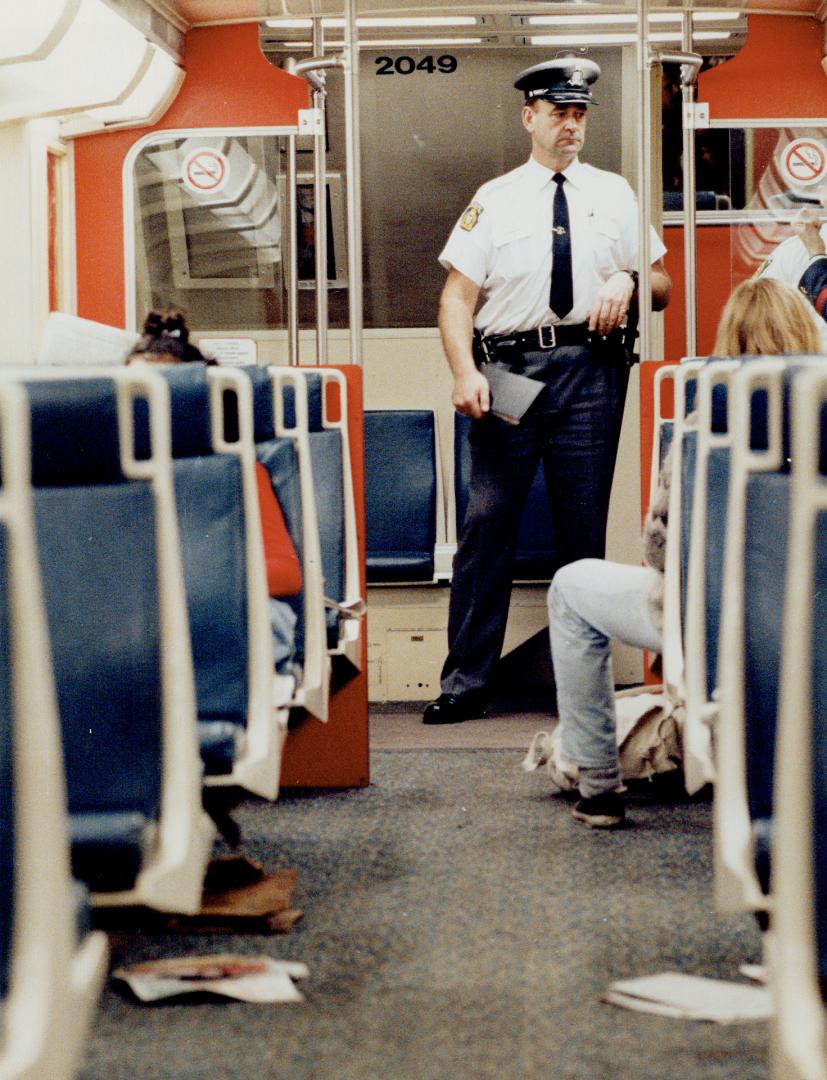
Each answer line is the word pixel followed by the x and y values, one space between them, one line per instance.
pixel 259 979
pixel 511 394
pixel 692 997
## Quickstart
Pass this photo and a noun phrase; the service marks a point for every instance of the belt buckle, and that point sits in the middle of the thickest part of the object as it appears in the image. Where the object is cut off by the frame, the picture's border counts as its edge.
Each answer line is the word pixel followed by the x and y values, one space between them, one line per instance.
pixel 547 331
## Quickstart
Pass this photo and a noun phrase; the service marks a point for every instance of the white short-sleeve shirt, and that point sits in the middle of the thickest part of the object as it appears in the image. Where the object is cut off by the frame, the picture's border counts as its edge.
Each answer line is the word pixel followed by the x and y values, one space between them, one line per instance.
pixel 503 243
pixel 787 263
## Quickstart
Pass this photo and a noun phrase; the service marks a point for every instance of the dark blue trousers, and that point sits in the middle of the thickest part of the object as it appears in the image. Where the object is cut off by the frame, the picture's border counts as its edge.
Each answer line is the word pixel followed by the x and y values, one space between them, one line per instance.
pixel 573 427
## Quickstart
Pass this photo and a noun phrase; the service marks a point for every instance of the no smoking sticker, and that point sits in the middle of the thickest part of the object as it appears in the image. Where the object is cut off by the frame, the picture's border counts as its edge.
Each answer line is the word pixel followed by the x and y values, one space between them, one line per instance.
pixel 804 162
pixel 205 171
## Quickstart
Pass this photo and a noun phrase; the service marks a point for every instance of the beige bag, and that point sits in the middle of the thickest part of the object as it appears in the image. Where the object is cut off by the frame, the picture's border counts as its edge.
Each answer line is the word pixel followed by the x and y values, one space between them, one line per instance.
pixel 648 735
pixel 648 742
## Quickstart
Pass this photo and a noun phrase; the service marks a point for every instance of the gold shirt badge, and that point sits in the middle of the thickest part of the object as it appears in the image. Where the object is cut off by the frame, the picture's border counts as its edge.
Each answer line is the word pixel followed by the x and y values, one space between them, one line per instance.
pixel 470 218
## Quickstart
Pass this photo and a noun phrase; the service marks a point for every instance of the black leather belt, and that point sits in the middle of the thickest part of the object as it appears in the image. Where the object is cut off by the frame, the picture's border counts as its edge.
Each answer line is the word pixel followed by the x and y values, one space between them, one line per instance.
pixel 543 339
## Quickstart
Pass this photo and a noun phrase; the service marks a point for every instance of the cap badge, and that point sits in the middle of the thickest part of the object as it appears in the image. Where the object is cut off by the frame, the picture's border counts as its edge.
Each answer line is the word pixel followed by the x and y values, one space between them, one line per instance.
pixel 470 218
pixel 576 77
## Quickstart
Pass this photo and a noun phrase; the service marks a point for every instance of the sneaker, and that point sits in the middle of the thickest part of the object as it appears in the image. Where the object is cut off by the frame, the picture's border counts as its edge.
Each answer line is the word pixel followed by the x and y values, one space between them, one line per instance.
pixel 603 811
pixel 545 750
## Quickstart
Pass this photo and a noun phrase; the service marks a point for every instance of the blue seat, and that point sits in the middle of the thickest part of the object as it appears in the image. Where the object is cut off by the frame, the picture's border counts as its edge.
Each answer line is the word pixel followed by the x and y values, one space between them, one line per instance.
pixel 223 560
pixel 112 586
pixel 326 454
pixel 400 494
pixel 704 200
pixel 680 436
pixel 6 775
pixel 755 567
pixel 280 412
pixel 705 570
pixel 335 512
pixel 535 556
pixel 98 558
pixel 689 450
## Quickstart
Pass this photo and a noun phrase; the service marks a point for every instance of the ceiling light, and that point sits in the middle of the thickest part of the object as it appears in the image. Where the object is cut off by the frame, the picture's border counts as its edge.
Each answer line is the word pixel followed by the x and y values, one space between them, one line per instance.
pixel 621 19
pixel 375 23
pixel 384 43
pixel 715 16
pixel 587 38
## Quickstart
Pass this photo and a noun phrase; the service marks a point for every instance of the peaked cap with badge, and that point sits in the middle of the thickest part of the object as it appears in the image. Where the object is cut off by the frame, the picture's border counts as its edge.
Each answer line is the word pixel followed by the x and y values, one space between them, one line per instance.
pixel 564 81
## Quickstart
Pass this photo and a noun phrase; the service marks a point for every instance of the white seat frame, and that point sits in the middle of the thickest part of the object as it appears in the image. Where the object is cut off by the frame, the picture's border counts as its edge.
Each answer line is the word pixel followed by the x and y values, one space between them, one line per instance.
pixel 701 712
pixel 313 691
pixel 55 978
pixel 257 767
pixel 799 1026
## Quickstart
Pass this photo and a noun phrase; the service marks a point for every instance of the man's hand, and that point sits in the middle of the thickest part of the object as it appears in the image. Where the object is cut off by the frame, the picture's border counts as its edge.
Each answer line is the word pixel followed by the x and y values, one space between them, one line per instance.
pixel 612 303
pixel 806 226
pixel 472 394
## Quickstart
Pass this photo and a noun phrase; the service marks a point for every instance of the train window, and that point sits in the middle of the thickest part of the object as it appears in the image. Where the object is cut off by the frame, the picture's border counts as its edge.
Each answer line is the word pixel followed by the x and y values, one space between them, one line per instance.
pixel 208 230
pixel 753 179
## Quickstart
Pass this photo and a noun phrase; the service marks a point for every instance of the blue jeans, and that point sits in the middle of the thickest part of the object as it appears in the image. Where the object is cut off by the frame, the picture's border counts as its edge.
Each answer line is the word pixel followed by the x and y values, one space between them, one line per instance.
pixel 590 602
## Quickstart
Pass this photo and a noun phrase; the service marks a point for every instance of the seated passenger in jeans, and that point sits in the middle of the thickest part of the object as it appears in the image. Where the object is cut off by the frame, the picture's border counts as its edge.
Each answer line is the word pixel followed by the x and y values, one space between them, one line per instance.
pixel 592 601
pixel 166 341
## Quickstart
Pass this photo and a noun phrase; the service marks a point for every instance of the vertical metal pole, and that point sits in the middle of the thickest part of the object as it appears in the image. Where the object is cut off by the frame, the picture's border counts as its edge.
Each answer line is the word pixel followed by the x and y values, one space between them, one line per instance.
pixel 643 174
pixel 291 258
pixel 689 229
pixel 320 208
pixel 354 182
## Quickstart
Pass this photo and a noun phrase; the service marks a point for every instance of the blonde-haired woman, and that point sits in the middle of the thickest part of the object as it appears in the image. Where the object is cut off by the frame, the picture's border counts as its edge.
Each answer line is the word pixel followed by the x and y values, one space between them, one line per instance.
pixel 592 601
pixel 765 317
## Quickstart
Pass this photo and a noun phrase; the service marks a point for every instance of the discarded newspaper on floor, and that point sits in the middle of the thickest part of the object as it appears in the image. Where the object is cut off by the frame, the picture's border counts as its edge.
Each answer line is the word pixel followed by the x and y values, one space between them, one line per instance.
pixel 692 997
pixel 259 979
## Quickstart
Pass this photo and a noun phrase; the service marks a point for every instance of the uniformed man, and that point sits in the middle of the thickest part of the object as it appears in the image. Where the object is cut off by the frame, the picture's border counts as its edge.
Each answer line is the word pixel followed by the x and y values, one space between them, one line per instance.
pixel 551 251
pixel 801 259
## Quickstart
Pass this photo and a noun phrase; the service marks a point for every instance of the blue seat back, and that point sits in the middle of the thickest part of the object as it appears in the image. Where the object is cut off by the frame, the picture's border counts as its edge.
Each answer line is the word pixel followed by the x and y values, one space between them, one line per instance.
pixel 326 455
pixel 7 821
pixel 765 549
pixel 766 529
pixel 535 558
pixel 328 479
pixel 279 458
pixel 210 504
pixel 667 433
pixel 400 494
pixel 689 460
pixel 717 490
pixel 819 735
pixel 96 536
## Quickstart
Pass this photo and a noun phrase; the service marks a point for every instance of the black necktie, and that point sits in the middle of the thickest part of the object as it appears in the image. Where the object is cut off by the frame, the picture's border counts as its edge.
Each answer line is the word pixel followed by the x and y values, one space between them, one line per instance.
pixel 561 294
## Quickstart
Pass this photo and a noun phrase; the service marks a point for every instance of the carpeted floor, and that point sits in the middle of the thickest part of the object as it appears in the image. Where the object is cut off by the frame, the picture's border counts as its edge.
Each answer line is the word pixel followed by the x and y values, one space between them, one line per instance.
pixel 459 925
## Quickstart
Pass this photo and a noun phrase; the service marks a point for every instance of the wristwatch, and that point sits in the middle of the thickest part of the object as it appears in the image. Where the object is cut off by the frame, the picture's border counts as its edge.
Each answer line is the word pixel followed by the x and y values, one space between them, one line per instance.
pixel 633 274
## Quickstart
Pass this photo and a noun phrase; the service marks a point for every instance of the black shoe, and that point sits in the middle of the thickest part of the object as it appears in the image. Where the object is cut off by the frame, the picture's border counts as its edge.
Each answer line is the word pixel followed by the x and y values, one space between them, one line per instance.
pixel 603 811
pixel 453 709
